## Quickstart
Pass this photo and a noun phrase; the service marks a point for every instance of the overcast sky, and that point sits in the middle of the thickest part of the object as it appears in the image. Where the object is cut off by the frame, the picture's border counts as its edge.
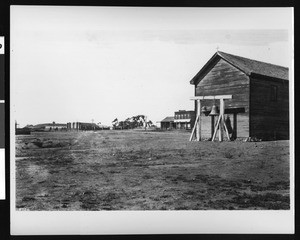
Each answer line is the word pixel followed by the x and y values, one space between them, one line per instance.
pixel 82 63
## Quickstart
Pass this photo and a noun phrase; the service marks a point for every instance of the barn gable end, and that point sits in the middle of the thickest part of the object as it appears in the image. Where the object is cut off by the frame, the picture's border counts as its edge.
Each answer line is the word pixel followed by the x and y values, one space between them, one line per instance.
pixel 225 79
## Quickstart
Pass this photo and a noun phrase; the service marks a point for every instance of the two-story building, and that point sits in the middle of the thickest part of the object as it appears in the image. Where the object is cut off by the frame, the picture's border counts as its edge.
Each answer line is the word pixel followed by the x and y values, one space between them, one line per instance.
pixel 184 119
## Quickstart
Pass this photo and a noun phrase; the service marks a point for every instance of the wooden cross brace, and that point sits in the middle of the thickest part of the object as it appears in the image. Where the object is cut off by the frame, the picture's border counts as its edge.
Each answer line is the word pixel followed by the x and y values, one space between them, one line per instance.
pixel 196 132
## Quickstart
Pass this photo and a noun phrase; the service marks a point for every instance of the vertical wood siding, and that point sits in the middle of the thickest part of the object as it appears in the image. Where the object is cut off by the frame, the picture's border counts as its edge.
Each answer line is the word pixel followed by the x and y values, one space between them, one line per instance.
pixel 269 119
pixel 242 125
pixel 224 79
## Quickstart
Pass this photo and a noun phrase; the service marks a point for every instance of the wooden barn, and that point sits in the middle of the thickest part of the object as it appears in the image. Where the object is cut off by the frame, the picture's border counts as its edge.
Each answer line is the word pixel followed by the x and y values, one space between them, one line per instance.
pixel 258 102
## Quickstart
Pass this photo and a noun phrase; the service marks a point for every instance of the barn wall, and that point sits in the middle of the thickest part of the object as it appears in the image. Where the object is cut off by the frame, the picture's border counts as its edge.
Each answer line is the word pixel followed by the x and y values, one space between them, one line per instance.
pixel 269 119
pixel 224 79
pixel 242 125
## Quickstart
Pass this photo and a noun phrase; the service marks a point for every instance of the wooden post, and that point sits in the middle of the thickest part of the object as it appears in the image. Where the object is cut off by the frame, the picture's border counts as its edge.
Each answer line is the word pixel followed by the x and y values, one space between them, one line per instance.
pixel 226 130
pixel 220 130
pixel 234 125
pixel 220 123
pixel 216 128
pixel 212 125
pixel 221 119
pixel 198 131
pixel 194 128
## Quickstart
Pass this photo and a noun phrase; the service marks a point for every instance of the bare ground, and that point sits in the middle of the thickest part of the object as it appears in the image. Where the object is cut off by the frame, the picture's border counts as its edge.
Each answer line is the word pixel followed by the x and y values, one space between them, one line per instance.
pixel 137 170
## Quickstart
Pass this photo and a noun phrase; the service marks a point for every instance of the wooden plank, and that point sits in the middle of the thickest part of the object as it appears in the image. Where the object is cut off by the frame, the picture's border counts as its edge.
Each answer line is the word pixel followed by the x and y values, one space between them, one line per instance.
pixel 216 128
pixel 226 130
pixel 221 120
pixel 198 131
pixel 238 95
pixel 221 90
pixel 212 127
pixel 191 137
pixel 220 130
pixel 234 126
pixel 211 97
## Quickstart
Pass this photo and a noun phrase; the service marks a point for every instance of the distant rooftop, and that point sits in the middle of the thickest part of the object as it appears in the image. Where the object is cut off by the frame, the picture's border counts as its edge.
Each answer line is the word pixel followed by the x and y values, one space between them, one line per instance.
pixel 184 111
pixel 168 119
pixel 50 124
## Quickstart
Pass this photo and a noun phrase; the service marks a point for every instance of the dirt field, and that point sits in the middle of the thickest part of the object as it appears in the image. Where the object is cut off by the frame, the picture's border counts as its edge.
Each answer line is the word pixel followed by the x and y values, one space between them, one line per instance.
pixel 137 170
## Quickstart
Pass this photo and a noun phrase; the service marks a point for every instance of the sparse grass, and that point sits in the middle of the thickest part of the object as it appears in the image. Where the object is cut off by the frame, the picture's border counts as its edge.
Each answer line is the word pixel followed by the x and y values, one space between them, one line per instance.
pixel 131 170
pixel 262 163
pixel 268 201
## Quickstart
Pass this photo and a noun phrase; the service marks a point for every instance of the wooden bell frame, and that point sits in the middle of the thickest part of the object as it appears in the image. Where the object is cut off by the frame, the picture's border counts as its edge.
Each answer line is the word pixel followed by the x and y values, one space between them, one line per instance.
pixel 220 126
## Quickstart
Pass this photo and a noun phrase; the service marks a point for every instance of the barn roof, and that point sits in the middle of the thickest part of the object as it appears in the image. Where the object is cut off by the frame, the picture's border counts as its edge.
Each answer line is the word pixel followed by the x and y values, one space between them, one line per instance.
pixel 168 119
pixel 246 65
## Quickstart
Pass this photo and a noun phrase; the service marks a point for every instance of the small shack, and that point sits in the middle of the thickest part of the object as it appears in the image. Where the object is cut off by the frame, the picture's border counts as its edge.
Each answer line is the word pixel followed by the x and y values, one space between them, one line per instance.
pixel 167 123
pixel 258 106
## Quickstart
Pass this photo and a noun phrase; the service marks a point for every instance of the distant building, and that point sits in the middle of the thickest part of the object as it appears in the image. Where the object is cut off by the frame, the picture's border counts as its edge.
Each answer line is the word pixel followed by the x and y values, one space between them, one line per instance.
pixel 85 126
pixel 23 131
pixel 184 119
pixel 49 127
pixel 167 123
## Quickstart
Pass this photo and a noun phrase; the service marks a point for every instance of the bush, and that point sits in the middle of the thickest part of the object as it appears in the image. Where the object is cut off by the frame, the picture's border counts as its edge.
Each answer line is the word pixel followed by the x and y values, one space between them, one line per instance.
pixel 228 155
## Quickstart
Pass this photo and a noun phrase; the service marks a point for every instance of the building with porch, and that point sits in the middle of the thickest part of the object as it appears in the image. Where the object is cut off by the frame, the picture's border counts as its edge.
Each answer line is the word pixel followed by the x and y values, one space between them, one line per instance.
pixel 184 119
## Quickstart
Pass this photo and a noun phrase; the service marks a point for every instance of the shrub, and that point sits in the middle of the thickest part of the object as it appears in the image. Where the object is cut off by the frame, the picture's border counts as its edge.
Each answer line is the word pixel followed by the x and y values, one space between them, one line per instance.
pixel 228 155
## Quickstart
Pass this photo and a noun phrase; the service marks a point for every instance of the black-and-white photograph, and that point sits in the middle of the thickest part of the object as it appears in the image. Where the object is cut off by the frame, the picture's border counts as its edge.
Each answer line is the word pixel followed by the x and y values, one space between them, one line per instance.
pixel 151 109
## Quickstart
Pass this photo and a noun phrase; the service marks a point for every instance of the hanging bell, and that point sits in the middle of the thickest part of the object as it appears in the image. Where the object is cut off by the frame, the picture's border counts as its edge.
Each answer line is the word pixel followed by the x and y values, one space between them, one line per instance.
pixel 214 111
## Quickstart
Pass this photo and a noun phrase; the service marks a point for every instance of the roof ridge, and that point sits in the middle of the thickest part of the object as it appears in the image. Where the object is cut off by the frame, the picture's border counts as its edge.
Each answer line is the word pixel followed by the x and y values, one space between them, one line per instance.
pixel 275 65
pixel 244 69
pixel 246 65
